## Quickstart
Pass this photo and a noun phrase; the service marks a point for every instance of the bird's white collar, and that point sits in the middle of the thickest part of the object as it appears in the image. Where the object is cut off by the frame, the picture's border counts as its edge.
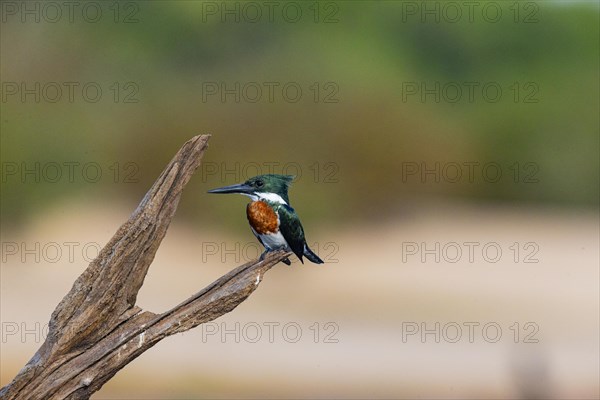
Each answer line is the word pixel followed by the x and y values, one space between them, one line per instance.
pixel 274 197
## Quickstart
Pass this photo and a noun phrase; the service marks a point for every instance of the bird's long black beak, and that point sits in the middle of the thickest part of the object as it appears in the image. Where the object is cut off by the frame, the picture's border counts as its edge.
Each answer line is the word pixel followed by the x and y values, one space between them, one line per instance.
pixel 239 188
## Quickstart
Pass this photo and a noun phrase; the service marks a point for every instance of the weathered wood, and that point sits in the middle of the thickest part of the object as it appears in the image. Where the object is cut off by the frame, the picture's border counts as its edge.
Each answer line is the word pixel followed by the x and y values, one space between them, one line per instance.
pixel 97 329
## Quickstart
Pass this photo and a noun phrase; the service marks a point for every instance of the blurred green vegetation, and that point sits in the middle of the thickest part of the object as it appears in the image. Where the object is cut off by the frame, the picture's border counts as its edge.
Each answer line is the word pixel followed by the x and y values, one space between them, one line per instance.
pixel 350 152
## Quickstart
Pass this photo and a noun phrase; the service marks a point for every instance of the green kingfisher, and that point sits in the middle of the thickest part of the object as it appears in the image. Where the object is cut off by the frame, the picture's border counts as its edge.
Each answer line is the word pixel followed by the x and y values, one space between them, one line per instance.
pixel 274 223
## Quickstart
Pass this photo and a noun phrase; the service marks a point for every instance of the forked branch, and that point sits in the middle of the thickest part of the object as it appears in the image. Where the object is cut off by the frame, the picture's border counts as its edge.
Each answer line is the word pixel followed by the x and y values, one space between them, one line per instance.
pixel 97 329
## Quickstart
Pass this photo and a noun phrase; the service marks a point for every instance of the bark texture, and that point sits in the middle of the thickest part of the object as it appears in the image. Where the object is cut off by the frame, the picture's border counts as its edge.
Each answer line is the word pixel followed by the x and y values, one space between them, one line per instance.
pixel 97 329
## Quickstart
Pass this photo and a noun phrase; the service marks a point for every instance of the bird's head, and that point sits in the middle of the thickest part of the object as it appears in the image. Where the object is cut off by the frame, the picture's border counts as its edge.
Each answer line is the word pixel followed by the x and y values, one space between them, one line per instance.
pixel 271 187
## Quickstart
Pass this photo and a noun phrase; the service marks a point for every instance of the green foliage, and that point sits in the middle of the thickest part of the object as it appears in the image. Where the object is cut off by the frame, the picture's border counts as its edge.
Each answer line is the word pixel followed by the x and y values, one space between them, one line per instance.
pixel 369 56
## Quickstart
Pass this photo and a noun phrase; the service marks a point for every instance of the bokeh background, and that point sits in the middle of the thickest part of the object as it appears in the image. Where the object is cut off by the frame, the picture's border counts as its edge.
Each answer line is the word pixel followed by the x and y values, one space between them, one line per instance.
pixel 416 130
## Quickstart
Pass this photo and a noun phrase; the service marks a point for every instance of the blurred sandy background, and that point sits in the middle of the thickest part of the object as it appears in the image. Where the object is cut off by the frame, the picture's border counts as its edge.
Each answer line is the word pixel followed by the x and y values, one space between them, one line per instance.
pixel 347 328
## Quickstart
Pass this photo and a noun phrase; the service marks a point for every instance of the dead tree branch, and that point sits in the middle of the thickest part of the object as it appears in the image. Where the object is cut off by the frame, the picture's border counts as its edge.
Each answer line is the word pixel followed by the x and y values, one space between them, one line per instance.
pixel 97 329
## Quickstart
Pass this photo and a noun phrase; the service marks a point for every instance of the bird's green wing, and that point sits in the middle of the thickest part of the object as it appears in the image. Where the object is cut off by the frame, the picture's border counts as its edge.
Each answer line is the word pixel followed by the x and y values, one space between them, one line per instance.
pixel 291 229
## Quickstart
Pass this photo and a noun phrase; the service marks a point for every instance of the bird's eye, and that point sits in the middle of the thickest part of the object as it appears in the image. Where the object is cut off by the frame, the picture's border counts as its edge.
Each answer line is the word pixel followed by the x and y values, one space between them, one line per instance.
pixel 259 183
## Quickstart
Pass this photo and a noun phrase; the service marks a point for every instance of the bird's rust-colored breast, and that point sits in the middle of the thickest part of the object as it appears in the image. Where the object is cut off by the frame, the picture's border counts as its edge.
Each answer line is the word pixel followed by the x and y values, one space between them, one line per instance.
pixel 262 217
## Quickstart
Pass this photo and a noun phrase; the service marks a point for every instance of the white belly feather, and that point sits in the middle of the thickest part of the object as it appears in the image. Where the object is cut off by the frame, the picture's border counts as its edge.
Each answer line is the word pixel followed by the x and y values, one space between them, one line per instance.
pixel 272 241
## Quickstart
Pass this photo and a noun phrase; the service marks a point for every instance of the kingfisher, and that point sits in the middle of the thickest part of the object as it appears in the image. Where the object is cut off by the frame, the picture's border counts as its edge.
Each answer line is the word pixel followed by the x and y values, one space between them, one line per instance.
pixel 272 220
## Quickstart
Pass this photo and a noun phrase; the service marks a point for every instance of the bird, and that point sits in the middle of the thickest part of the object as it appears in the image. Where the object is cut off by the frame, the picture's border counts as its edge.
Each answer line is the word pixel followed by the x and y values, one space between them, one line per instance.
pixel 272 220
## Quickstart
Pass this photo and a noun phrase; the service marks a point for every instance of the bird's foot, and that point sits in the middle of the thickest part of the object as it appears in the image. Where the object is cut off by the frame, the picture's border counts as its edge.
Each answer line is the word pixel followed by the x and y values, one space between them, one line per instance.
pixel 263 255
pixel 286 260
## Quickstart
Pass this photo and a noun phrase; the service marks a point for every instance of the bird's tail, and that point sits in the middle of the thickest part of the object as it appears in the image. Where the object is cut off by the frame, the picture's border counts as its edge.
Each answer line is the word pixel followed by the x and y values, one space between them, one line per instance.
pixel 308 253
